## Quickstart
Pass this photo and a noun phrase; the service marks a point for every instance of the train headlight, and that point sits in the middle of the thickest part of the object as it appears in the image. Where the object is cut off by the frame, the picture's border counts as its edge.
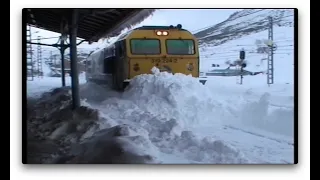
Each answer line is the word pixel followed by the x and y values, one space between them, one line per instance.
pixel 162 33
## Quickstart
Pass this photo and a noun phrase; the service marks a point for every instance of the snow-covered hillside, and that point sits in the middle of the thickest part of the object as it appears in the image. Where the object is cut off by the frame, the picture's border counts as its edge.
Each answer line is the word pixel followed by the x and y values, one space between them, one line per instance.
pixel 243 23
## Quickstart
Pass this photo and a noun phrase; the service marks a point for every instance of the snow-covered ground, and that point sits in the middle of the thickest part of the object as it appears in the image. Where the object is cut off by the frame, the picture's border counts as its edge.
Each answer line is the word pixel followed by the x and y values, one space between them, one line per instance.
pixel 178 120
pixel 43 84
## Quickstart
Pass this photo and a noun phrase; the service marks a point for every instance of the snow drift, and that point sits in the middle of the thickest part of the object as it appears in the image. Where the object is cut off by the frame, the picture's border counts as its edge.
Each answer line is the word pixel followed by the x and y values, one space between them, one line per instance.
pixel 177 96
pixel 155 116
pixel 163 109
pixel 157 120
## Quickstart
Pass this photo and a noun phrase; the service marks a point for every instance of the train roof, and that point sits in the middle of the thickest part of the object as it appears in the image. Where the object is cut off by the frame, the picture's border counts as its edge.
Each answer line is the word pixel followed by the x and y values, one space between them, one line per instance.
pixel 159 27
pixel 124 35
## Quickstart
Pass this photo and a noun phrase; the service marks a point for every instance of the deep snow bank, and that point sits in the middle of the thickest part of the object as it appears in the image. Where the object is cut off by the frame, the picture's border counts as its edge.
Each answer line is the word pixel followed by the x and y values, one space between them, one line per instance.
pixel 120 133
pixel 161 110
pixel 155 117
pixel 58 134
pixel 176 96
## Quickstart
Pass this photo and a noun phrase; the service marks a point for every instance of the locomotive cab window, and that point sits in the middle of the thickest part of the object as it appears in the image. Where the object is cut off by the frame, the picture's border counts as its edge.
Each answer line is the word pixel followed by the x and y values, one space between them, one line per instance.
pixel 145 46
pixel 180 46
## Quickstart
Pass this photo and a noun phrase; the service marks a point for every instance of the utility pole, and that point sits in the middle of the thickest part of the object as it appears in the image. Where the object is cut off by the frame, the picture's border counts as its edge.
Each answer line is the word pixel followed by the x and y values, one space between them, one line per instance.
pixel 39 58
pixel 270 53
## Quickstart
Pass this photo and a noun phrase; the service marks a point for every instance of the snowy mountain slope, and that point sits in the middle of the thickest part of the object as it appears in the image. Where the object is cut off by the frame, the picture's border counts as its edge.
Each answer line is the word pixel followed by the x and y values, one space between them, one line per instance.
pixel 243 23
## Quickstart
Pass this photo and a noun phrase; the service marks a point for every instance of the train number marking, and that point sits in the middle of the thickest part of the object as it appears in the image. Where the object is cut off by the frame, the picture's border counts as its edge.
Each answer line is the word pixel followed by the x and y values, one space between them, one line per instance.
pixel 158 60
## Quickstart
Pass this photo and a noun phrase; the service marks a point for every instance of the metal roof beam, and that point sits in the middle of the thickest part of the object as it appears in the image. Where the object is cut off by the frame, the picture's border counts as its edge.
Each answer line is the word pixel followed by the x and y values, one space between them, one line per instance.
pixel 93 24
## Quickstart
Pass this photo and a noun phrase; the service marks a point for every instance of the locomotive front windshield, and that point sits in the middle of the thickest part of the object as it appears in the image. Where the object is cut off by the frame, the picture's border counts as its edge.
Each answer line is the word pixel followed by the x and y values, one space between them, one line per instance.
pixel 145 46
pixel 180 46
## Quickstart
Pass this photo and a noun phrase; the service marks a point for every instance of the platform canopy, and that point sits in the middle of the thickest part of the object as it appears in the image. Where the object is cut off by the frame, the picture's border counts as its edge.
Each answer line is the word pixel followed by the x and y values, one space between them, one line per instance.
pixel 93 24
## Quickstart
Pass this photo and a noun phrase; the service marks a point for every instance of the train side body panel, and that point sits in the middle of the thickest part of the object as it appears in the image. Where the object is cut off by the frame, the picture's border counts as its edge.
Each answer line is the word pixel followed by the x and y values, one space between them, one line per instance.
pixel 96 69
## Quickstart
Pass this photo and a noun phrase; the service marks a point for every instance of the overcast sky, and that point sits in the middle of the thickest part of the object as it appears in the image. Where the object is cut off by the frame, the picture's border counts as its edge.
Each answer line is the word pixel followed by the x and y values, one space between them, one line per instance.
pixel 190 19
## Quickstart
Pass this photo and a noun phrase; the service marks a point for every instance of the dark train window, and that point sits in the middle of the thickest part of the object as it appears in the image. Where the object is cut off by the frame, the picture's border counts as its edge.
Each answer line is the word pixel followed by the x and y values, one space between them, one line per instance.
pixel 121 49
pixel 109 64
pixel 180 46
pixel 145 46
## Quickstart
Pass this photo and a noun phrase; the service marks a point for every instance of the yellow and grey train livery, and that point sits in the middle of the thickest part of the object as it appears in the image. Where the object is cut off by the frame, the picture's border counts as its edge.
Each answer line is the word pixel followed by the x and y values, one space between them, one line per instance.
pixel 135 52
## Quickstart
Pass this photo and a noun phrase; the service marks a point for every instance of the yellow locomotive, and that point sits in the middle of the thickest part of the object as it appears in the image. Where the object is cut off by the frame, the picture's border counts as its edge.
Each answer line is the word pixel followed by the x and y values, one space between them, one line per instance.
pixel 135 52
